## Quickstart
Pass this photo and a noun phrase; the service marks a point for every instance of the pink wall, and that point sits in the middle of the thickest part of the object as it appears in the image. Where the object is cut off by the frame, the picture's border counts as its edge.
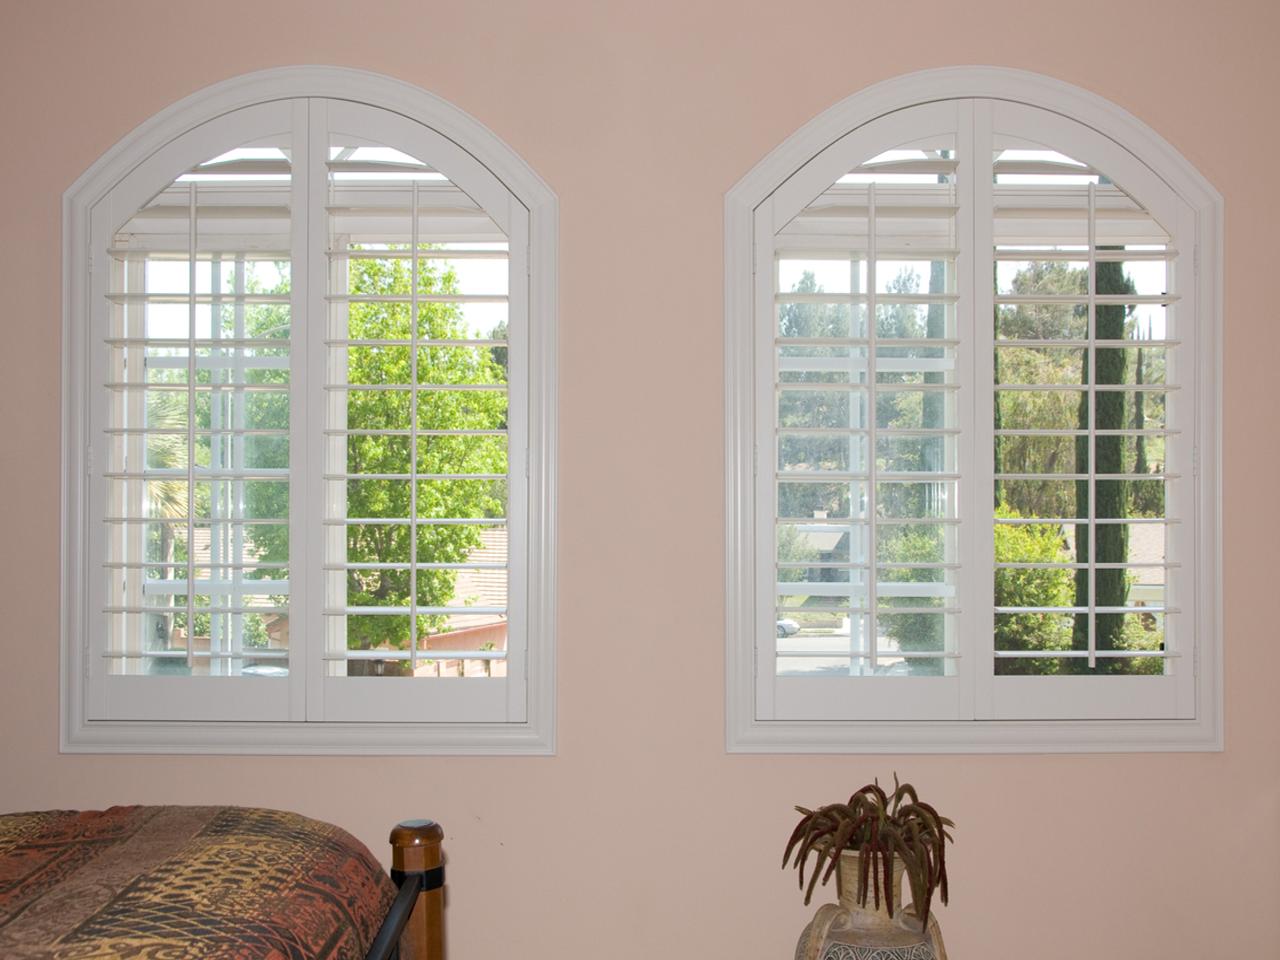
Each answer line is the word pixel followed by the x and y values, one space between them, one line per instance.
pixel 640 117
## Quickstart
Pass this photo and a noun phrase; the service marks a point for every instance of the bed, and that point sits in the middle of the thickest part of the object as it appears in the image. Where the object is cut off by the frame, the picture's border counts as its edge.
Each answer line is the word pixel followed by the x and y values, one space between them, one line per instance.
pixel 215 883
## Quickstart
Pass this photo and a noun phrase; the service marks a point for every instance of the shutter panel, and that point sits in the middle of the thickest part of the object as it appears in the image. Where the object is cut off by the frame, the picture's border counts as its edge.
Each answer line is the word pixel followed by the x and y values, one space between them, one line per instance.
pixel 1088 451
pixel 418 490
pixel 196 362
pixel 863 477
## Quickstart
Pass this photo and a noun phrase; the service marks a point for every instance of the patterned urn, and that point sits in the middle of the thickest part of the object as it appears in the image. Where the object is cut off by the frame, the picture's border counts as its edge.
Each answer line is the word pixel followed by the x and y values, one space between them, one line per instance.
pixel 850 931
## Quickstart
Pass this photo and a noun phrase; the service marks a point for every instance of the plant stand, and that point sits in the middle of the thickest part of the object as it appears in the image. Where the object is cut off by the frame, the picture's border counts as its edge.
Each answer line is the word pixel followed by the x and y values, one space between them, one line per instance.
pixel 849 931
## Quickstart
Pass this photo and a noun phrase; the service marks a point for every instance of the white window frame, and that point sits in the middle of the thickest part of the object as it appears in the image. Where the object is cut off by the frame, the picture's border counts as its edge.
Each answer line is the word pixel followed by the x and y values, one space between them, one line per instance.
pixel 750 727
pixel 531 198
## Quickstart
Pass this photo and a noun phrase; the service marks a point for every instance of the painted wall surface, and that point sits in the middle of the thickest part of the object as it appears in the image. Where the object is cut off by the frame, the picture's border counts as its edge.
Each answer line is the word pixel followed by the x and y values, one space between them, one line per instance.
pixel 642 837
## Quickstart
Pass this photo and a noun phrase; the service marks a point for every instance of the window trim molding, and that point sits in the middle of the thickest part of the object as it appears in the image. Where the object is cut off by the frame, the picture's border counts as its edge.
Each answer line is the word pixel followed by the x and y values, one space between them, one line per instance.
pixel 746 734
pixel 535 736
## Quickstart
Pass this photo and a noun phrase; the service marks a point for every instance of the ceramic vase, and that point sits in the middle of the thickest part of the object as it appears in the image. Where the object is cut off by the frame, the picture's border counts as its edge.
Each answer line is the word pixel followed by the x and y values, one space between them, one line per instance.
pixel 849 931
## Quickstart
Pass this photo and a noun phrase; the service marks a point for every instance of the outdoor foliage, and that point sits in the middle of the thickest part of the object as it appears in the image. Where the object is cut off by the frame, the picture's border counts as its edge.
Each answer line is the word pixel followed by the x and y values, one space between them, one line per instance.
pixel 1054 587
pixel 907 620
pixel 379 454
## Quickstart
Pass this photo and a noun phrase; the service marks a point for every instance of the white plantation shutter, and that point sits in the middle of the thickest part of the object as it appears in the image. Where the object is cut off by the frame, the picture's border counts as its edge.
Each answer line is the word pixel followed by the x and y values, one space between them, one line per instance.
pixel 194 371
pixel 1108 467
pixel 961 304
pixel 867 396
pixel 410 369
pixel 308 414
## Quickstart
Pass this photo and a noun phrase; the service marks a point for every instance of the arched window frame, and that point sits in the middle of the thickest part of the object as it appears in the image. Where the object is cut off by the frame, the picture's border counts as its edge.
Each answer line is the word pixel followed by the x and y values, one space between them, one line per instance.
pixel 748 728
pixel 535 733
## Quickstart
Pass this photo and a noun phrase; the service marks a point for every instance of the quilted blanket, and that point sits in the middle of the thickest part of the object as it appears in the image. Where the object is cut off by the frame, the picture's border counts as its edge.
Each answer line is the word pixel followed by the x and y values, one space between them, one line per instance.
pixel 170 883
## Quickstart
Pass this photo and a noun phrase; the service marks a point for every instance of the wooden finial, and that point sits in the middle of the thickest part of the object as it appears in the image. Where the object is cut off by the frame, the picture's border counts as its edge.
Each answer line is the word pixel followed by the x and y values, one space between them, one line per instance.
pixel 415 848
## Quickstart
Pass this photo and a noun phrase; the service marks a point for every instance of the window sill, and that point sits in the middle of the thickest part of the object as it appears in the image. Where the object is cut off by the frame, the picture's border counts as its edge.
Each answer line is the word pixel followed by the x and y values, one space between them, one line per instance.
pixel 297 739
pixel 975 736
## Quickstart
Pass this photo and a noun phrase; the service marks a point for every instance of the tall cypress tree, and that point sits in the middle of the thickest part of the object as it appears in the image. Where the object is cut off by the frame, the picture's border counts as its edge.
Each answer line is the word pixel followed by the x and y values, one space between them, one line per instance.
pixel 1139 419
pixel 1111 539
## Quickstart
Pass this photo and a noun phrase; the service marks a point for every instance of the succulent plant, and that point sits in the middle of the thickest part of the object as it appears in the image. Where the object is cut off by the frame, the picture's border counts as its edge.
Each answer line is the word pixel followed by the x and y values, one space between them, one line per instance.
pixel 881 828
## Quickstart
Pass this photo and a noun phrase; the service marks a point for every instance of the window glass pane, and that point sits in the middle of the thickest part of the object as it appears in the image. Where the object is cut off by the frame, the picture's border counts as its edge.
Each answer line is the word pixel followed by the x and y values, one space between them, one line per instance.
pixel 829 273
pixel 819 542
pixel 916 501
pixel 837 452
pixel 1040 498
pixel 807 312
pixel 821 408
pixel 1039 410
pixel 809 499
pixel 1029 320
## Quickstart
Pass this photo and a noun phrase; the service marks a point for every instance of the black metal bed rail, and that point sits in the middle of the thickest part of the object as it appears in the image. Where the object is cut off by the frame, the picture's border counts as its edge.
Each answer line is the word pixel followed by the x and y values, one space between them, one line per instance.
pixel 386 945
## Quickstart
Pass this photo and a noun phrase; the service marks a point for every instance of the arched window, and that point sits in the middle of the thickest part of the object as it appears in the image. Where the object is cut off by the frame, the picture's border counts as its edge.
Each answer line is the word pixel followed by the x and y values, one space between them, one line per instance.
pixel 972 328
pixel 310 422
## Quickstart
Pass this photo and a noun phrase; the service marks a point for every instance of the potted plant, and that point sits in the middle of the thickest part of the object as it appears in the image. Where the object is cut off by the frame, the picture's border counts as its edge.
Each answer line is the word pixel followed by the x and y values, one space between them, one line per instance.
pixel 869 843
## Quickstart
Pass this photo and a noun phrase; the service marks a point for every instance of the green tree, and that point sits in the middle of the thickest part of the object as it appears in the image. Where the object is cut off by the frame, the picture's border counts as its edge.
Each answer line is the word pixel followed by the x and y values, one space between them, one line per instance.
pixel 1146 496
pixel 1111 540
pixel 1030 322
pixel 1113 454
pixel 807 408
pixel 1034 587
pixel 392 366
pixel 439 365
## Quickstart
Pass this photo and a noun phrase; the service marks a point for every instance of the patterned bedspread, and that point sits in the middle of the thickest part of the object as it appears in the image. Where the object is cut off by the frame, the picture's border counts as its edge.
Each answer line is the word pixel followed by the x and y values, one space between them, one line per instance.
pixel 170 883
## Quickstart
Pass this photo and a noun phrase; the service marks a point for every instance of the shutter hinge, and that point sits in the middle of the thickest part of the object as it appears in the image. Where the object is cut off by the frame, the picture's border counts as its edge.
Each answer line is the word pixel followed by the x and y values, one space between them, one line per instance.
pixel 1195 259
pixel 755 459
pixel 88 459
pixel 526 463
pixel 1195 461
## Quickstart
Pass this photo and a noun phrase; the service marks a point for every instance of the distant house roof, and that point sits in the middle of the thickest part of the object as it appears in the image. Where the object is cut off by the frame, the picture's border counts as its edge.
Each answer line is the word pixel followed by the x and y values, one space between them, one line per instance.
pixel 485 587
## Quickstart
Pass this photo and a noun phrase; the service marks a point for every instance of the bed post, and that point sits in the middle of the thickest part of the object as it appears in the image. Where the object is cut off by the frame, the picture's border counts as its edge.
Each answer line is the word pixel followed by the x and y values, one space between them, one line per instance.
pixel 415 848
